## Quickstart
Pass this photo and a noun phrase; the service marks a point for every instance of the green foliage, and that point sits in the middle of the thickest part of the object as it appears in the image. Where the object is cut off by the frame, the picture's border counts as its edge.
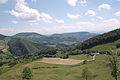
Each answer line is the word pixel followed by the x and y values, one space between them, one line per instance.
pixel 61 54
pixel 4 69
pixel 118 45
pixel 47 52
pixel 78 52
pixel 113 59
pixel 75 52
pixel 100 39
pixel 86 74
pixel 27 74
pixel 85 62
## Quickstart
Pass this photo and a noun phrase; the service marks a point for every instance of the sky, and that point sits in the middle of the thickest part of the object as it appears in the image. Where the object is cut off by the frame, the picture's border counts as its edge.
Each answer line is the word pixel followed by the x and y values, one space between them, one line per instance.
pixel 58 16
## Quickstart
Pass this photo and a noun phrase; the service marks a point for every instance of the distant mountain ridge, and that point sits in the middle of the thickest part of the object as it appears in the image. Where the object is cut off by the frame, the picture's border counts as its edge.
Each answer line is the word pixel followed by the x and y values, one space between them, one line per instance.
pixel 30 42
pixel 80 36
pixel 56 40
pixel 28 35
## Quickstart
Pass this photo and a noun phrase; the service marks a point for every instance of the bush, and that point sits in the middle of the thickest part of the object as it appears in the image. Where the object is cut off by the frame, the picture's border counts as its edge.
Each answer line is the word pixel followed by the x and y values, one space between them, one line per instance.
pixel 76 52
pixel 85 62
pixel 118 46
pixel 61 54
pixel 26 74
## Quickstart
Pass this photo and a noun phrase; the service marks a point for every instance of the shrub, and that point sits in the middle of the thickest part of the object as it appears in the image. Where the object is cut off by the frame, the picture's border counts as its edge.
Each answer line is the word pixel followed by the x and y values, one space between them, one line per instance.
pixel 26 74
pixel 85 62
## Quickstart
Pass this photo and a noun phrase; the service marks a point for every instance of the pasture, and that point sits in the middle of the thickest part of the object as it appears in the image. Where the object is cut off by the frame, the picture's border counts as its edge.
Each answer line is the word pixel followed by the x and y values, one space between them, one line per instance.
pixel 48 71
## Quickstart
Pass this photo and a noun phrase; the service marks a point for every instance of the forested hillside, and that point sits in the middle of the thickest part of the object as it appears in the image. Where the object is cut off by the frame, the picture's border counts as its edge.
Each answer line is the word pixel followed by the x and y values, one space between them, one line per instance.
pixel 56 40
pixel 100 39
pixel 18 46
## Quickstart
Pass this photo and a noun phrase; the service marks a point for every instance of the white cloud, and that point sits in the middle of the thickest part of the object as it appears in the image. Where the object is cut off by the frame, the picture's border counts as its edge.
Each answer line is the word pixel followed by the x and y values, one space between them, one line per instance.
pixel 75 2
pixel 117 13
pixel 3 1
pixel 24 12
pixel 100 18
pixel 90 13
pixel 85 23
pixel 72 2
pixel 82 26
pixel 106 25
pixel 111 21
pixel 14 22
pixel 59 21
pixel 73 16
pixel 46 18
pixel 105 6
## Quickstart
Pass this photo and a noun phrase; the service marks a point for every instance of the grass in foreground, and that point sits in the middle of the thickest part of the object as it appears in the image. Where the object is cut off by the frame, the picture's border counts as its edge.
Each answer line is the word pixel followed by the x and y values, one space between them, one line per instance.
pixel 44 71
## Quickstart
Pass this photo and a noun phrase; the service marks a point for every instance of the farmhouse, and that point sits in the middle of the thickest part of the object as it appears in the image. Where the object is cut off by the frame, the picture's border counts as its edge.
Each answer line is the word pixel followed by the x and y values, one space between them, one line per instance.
pixel 93 55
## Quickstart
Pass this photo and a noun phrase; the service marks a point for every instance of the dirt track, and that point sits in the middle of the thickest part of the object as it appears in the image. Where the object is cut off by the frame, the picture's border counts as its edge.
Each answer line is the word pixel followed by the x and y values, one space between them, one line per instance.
pixel 61 61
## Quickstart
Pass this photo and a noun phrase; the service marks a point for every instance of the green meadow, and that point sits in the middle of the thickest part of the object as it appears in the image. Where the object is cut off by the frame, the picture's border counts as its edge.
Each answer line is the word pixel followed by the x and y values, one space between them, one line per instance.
pixel 45 71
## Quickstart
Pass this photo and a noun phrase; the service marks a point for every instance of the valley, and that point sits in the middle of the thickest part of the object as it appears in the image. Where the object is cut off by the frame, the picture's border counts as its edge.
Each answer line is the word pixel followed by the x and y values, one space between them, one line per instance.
pixel 55 63
pixel 59 39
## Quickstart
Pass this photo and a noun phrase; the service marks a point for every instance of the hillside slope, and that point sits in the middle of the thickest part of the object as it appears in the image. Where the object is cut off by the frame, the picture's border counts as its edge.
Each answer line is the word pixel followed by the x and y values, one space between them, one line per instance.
pixel 108 46
pixel 2 36
pixel 100 39
pixel 18 46
pixel 4 44
pixel 44 71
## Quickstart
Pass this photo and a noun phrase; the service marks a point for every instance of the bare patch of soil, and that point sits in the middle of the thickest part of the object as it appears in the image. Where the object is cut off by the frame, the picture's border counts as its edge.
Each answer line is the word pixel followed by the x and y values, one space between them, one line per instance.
pixel 61 61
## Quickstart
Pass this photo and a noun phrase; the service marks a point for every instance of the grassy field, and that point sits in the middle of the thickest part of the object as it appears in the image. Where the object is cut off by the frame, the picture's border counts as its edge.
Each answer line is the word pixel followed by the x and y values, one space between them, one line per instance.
pixel 107 46
pixel 45 71
pixel 80 57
